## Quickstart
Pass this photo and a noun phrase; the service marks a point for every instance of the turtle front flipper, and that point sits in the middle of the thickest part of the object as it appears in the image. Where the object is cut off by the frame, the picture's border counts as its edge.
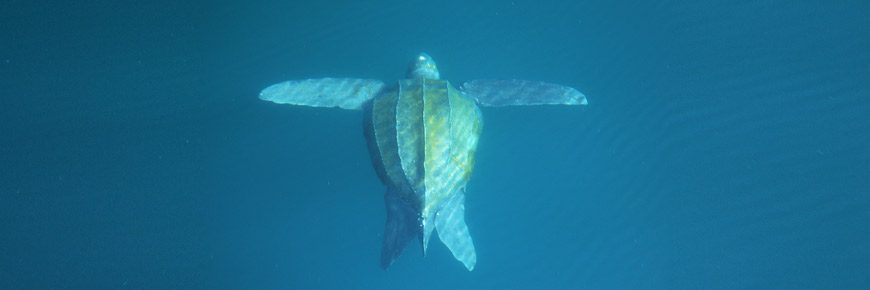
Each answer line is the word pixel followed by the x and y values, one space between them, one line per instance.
pixel 496 93
pixel 344 93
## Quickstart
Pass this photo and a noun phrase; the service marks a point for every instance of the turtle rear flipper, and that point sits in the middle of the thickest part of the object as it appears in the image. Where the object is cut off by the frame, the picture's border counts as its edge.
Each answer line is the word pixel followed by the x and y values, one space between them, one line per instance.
pixel 450 222
pixel 496 93
pixel 402 226
pixel 344 93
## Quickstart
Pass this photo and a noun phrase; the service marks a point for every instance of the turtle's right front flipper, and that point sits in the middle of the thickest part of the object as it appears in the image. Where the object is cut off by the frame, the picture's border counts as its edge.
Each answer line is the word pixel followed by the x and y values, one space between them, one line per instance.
pixel 497 93
pixel 327 92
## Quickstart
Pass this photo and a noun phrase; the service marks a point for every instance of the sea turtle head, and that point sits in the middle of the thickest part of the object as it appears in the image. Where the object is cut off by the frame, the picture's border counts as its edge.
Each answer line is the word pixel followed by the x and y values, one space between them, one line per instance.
pixel 422 67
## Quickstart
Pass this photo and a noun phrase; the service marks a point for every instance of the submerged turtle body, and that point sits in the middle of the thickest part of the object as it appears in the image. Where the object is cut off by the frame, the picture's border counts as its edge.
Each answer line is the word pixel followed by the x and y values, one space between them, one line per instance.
pixel 422 138
pixel 422 134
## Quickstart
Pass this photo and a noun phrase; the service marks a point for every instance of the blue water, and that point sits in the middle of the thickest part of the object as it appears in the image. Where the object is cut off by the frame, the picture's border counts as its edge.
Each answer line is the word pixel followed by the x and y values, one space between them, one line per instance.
pixel 725 145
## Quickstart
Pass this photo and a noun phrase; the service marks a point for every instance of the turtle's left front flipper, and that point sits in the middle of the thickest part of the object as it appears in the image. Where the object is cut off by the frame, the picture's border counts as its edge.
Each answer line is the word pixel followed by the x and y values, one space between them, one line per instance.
pixel 327 92
pixel 496 93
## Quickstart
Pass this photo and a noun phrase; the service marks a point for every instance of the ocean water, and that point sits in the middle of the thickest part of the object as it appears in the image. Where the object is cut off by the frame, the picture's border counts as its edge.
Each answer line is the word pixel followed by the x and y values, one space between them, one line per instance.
pixel 726 145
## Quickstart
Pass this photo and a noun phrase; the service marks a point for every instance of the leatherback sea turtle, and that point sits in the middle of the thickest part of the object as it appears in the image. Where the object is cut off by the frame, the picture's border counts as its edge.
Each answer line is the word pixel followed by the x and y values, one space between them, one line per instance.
pixel 422 135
